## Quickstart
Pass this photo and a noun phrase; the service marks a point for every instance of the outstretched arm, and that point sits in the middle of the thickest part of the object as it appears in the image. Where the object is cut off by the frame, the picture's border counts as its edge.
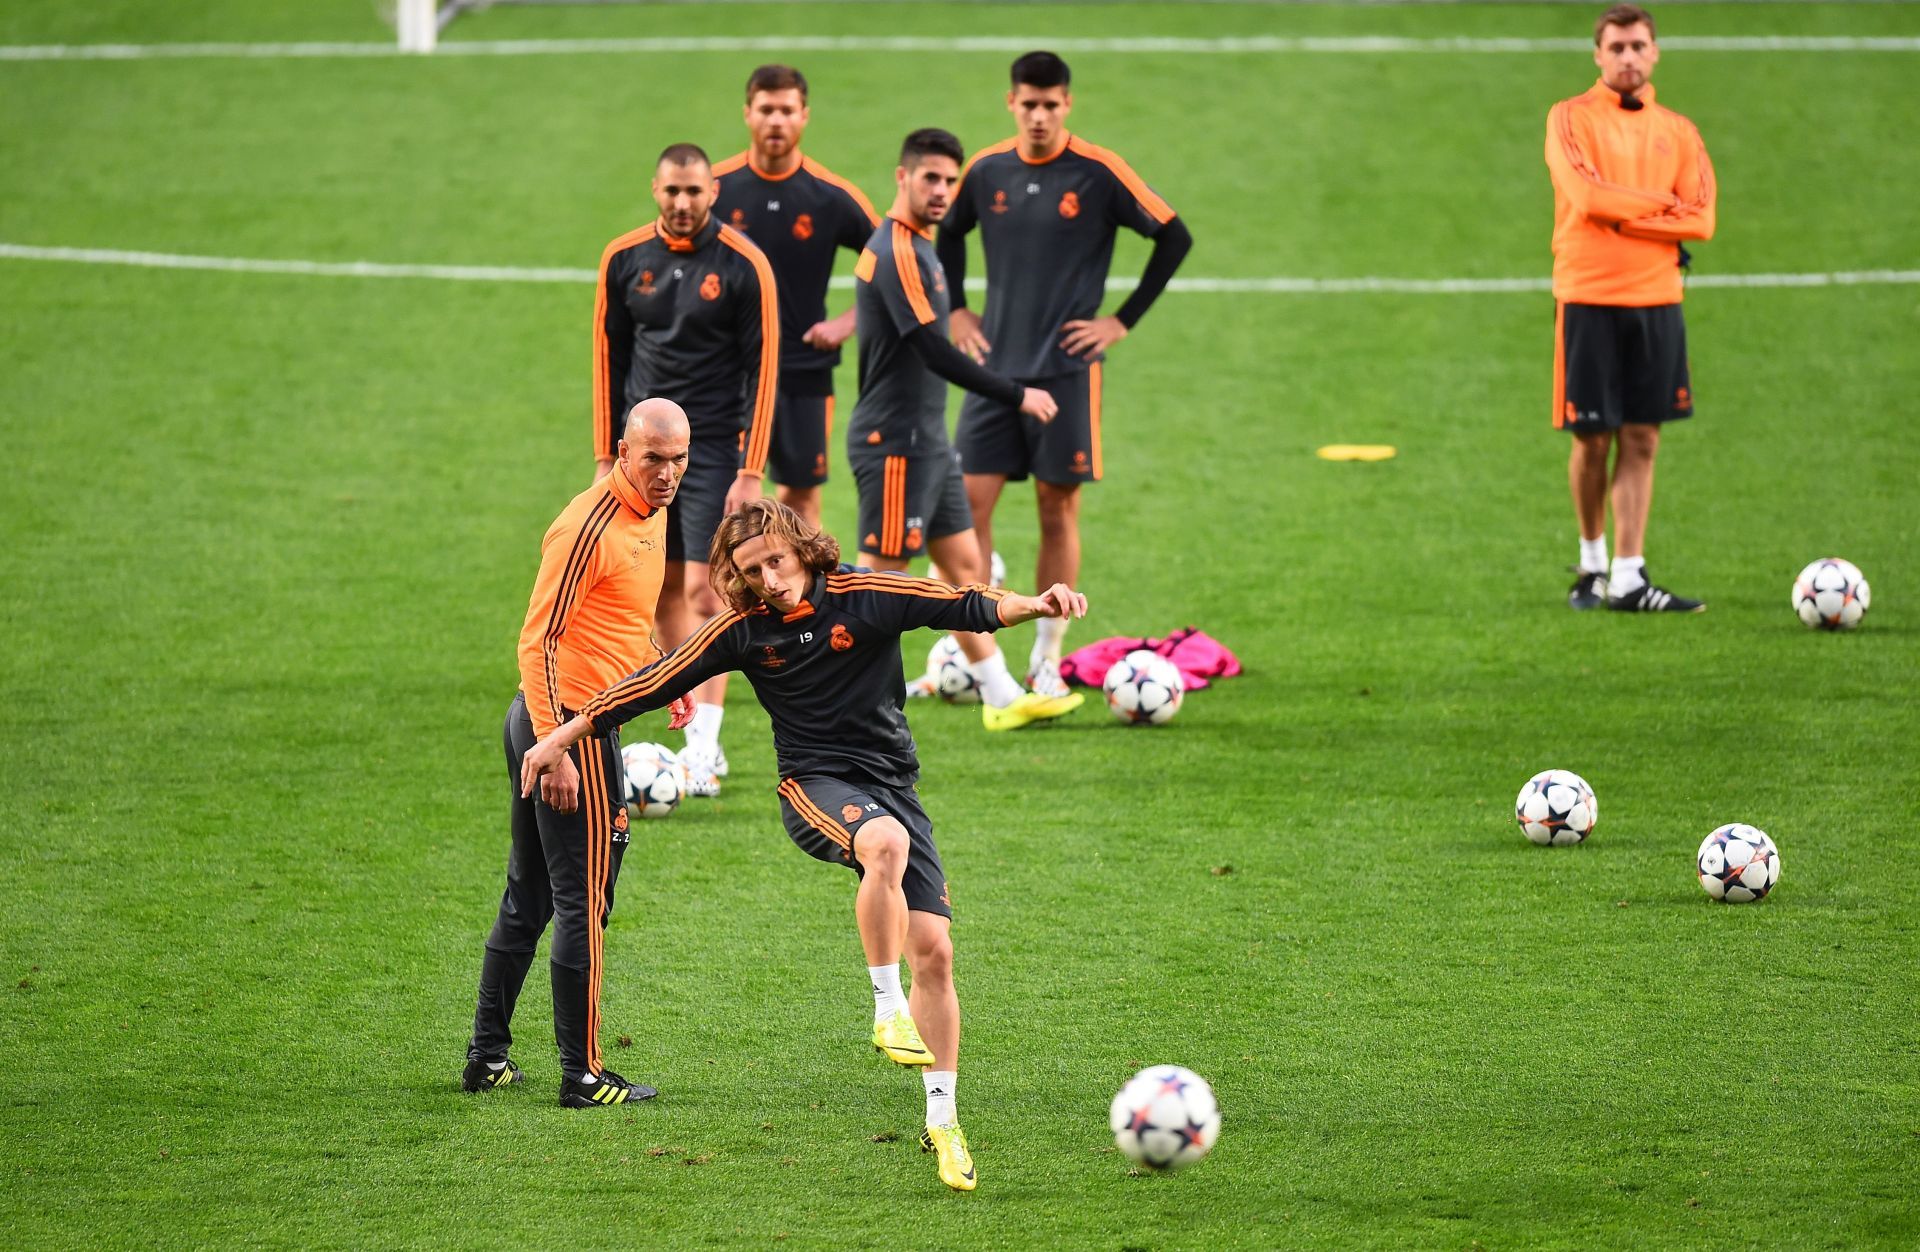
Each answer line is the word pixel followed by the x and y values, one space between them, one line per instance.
pixel 1058 600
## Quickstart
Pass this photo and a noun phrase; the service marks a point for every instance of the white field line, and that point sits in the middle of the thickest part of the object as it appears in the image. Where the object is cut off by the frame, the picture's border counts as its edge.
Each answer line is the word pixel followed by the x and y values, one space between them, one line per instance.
pixel 1230 286
pixel 998 44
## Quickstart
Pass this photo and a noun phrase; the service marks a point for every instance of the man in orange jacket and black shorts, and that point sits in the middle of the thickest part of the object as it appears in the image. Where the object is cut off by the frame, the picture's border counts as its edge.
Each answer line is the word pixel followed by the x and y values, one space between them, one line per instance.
pixel 1631 182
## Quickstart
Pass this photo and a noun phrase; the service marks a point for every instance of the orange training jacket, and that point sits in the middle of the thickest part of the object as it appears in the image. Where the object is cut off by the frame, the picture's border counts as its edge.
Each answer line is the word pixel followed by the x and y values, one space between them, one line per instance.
pixel 1628 186
pixel 590 621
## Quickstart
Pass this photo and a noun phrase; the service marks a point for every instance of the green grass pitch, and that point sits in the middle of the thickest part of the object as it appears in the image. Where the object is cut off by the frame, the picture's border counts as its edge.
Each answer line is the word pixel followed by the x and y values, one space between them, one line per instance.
pixel 265 543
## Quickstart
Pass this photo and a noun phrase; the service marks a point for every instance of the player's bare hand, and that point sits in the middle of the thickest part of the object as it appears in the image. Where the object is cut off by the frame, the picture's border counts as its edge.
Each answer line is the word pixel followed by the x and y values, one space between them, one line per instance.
pixel 680 713
pixel 964 326
pixel 548 766
pixel 600 468
pixel 745 487
pixel 1040 404
pixel 1061 600
pixel 830 334
pixel 1091 336
pixel 1058 600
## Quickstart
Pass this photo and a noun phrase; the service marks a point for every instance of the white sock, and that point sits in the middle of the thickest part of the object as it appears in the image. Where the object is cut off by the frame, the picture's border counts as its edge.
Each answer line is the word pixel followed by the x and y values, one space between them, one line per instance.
pixel 888 999
pixel 705 727
pixel 496 1066
pixel 1629 575
pixel 939 1084
pixel 1593 555
pixel 1048 633
pixel 996 684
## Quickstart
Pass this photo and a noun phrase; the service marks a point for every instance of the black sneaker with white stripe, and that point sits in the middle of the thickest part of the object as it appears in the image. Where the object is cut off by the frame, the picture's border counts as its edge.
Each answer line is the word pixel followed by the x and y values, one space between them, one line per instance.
pixel 606 1091
pixel 1589 590
pixel 1647 598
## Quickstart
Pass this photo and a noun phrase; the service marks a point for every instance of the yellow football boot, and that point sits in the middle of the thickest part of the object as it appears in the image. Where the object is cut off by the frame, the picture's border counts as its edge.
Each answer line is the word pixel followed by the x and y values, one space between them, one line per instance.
pixel 899 1038
pixel 1029 708
pixel 956 1163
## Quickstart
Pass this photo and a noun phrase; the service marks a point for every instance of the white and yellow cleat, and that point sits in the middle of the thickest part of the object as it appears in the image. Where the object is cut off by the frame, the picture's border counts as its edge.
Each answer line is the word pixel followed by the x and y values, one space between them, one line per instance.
pixel 956 1163
pixel 1031 707
pixel 900 1039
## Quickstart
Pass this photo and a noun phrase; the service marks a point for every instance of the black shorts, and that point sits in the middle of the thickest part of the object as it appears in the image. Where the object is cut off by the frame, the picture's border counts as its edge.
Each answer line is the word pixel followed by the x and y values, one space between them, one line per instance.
pixel 905 501
pixel 824 816
pixel 996 439
pixel 802 424
pixel 1614 365
pixel 713 462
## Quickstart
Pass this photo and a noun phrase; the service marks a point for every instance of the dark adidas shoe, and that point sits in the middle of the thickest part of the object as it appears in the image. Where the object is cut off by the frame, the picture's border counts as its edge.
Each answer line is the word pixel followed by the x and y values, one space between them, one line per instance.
pixel 1589 590
pixel 611 1089
pixel 479 1077
pixel 1647 598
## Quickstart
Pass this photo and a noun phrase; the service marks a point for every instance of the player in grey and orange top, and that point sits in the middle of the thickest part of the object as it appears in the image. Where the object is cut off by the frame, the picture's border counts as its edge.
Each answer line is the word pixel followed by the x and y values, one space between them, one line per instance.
pixel 1047 205
pixel 801 214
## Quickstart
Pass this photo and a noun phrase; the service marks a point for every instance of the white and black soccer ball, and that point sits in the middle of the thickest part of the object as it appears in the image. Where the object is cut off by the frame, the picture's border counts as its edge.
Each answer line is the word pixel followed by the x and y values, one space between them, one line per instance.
pixel 1556 808
pixel 656 780
pixel 1738 863
pixel 947 671
pixel 1165 1117
pixel 1144 688
pixel 1831 594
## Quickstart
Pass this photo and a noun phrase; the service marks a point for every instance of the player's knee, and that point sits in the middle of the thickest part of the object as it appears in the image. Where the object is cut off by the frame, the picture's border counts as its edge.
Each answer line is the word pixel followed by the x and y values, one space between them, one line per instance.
pixel 1639 441
pixel 930 957
pixel 881 847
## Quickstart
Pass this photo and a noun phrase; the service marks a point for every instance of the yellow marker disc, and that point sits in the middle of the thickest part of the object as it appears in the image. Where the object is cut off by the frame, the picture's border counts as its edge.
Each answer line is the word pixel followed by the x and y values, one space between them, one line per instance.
pixel 1356 452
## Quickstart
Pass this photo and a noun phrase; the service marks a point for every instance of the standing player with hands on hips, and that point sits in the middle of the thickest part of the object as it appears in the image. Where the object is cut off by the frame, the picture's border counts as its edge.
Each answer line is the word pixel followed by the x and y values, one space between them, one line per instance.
pixel 1631 183
pixel 687 309
pixel 820 644
pixel 1047 204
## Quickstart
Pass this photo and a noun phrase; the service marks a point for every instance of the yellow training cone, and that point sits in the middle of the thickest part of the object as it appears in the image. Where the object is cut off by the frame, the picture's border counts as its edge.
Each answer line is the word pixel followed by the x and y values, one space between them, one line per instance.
pixel 1356 452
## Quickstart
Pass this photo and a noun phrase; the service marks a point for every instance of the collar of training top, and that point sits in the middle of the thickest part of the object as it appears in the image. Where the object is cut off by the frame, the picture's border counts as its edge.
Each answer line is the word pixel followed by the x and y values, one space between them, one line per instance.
pixel 692 243
pixel 628 494
pixel 925 232
pixel 815 589
pixel 1601 91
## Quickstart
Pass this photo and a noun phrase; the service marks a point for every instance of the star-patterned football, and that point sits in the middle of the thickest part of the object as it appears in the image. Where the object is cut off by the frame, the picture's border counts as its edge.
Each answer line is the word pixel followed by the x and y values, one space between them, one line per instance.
pixel 1165 1117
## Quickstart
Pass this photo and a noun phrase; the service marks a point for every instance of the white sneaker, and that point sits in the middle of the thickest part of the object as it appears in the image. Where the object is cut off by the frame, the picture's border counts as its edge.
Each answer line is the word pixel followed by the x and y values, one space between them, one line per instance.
pixel 719 761
pixel 1045 679
pixel 698 760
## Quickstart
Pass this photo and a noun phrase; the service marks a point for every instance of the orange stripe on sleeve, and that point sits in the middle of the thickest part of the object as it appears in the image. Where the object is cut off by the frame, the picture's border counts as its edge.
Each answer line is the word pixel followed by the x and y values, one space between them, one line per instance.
pixel 603 399
pixel 907 262
pixel 760 426
pixel 827 176
pixel 1159 210
pixel 655 676
pixel 1005 145
pixel 731 164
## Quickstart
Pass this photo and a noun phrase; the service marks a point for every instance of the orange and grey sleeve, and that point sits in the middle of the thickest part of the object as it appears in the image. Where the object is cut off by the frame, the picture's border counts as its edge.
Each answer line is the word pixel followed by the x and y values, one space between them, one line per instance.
pixel 901 602
pixel 758 324
pixel 711 651
pixel 1693 216
pixel 612 354
pixel 569 567
pixel 1575 176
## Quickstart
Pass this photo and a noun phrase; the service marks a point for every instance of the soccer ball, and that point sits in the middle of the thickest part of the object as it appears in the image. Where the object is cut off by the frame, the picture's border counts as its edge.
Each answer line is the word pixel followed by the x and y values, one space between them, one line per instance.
pixel 1738 863
pixel 1831 594
pixel 1556 808
pixel 1144 688
pixel 1165 1117
pixel 656 781
pixel 947 671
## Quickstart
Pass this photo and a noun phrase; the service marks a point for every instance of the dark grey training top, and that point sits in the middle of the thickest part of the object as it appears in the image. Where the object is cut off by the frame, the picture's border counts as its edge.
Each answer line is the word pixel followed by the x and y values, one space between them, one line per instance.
pixel 899 287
